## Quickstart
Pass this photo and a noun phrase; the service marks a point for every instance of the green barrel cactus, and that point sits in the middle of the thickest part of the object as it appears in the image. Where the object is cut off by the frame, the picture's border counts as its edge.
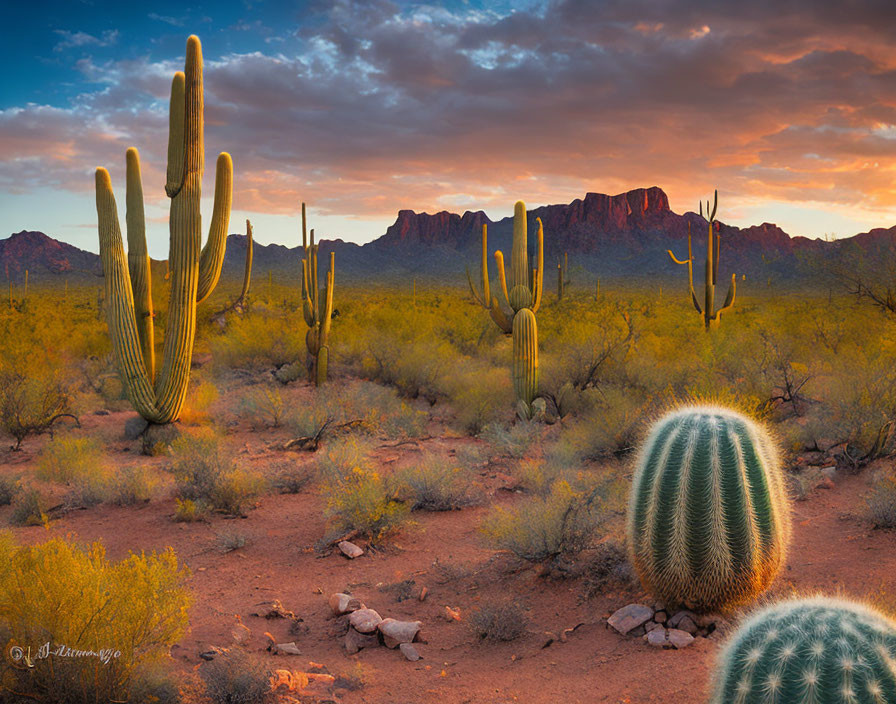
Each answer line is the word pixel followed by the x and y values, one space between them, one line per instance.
pixel 524 298
pixel 708 516
pixel 809 651
pixel 159 396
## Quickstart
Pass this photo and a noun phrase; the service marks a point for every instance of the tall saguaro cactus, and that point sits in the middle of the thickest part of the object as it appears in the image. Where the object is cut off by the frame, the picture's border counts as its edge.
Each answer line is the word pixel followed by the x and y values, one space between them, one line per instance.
pixel 524 298
pixel 562 276
pixel 159 396
pixel 317 307
pixel 711 317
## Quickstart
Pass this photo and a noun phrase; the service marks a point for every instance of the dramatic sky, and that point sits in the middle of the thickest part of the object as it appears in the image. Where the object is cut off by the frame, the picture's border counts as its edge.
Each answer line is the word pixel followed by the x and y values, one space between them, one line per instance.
pixel 365 108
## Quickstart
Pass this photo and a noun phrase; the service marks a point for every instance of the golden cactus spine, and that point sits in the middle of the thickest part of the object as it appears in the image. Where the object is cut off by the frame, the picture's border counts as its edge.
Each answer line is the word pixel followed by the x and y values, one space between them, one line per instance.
pixel 524 298
pixel 159 396
pixel 318 313
pixel 711 317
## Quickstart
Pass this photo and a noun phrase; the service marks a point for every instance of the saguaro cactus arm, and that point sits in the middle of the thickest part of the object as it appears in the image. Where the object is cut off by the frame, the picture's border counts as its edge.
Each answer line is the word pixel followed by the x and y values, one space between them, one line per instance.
pixel 211 260
pixel 120 302
pixel 485 297
pixel 138 262
pixel 539 268
pixel 690 262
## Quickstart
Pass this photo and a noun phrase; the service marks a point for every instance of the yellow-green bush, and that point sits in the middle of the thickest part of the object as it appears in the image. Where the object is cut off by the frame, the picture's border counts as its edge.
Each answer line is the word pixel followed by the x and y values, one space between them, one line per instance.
pixel 552 527
pixel 123 617
pixel 434 484
pixel 80 463
pixel 362 500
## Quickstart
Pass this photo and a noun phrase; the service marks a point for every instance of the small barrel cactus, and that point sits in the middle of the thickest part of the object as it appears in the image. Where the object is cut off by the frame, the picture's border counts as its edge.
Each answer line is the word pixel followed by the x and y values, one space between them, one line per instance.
pixel 810 651
pixel 708 518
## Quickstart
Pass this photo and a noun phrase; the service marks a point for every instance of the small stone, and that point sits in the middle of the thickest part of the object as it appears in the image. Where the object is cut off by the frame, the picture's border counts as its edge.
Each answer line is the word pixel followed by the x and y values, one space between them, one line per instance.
pixel 397 632
pixel 409 651
pixel 286 649
pixel 687 624
pixel 639 631
pixel 650 626
pixel 630 617
pixel 452 614
pixel 355 641
pixel 104 412
pixel 344 603
pixel 659 606
pixel 660 616
pixel 678 638
pixel 705 620
pixel 135 427
pixel 675 618
pixel 365 620
pixel 657 638
pixel 350 550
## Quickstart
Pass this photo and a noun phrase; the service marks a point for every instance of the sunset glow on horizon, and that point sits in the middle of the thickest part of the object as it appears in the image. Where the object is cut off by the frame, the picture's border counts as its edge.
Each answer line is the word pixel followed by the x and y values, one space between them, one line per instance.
pixel 362 109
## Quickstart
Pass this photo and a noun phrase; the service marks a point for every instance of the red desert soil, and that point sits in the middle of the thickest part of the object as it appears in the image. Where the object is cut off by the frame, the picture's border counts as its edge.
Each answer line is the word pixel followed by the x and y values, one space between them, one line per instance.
pixel 834 550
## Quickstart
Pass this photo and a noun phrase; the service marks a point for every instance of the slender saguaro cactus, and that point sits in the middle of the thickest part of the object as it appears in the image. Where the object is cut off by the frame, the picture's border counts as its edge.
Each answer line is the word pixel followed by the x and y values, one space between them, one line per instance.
pixel 317 307
pixel 159 396
pixel 814 650
pixel 562 276
pixel 484 298
pixel 708 517
pixel 711 317
pixel 524 299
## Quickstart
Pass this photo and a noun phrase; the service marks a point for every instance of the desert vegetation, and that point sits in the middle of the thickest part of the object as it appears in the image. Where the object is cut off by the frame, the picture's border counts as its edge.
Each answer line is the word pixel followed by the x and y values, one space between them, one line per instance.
pixel 287 477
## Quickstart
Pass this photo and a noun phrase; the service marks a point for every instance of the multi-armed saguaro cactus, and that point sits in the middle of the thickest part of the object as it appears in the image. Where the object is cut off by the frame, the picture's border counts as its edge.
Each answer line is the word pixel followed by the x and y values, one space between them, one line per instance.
pixel 524 298
pixel 809 651
pixel 708 516
pixel 159 397
pixel 317 306
pixel 562 276
pixel 711 317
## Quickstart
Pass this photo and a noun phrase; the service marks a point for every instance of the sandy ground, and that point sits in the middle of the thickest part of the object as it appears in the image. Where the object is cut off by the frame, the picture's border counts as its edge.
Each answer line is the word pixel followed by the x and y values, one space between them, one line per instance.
pixel 834 550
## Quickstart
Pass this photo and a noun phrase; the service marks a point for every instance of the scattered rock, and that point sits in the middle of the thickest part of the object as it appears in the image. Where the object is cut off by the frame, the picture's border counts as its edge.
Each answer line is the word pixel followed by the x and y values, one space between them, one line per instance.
pixel 678 638
pixel 350 550
pixel 676 618
pixel 355 641
pixel 660 616
pixel 423 592
pixel 409 651
pixel 657 637
pixel 639 631
pixel 135 427
pixel 286 649
pixel 365 620
pixel 276 610
pixel 651 625
pixel 630 617
pixel 397 632
pixel 452 614
pixel 344 604
pixel 687 624
pixel 104 412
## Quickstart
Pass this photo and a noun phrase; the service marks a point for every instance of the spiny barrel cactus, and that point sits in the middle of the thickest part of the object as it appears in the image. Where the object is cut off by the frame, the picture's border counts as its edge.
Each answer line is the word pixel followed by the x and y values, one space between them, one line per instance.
pixel 524 299
pixel 317 307
pixel 711 317
pixel 810 651
pixel 708 516
pixel 159 398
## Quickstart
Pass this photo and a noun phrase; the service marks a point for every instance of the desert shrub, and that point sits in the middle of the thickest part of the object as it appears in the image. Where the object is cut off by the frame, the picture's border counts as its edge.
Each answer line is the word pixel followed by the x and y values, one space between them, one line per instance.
pixel 29 507
pixel 292 480
pixel 263 405
pixel 608 566
pixel 263 340
pixel 9 487
pixel 205 472
pixel 881 500
pixel 537 475
pixel 498 621
pixel 133 485
pixel 434 484
pixel 229 541
pixel 480 395
pixel 362 500
pixel 128 613
pixel 79 463
pixel 31 404
pixel 188 511
pixel 547 528
pixel 339 457
pixel 235 678
pixel 201 394
pixel 511 440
